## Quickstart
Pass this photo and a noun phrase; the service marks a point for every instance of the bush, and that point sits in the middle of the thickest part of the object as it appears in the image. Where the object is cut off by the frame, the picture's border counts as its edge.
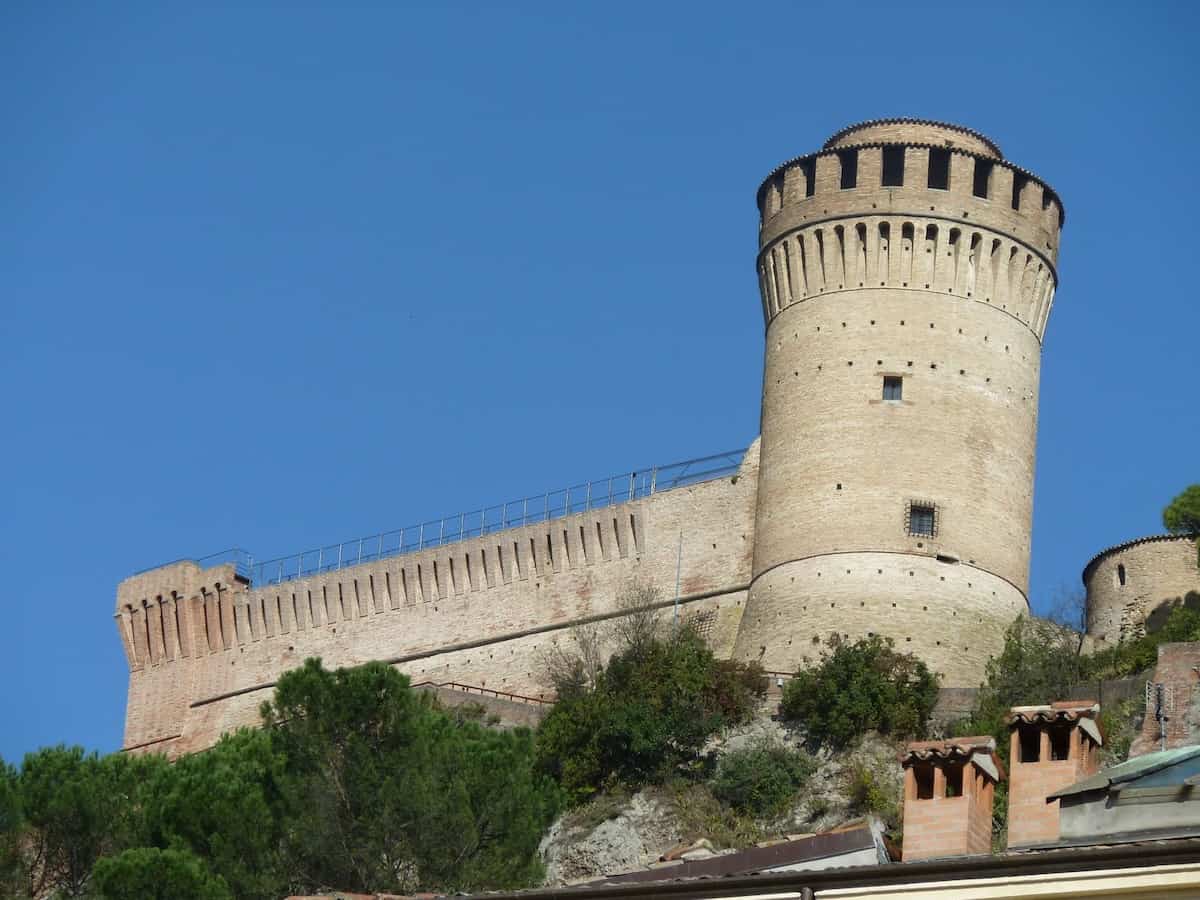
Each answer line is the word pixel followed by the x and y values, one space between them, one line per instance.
pixel 646 717
pixel 147 873
pixel 859 687
pixel 869 794
pixel 762 778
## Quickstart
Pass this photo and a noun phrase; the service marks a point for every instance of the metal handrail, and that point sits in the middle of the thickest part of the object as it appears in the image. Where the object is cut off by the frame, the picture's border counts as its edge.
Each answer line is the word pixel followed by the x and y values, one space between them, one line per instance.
pixel 587 495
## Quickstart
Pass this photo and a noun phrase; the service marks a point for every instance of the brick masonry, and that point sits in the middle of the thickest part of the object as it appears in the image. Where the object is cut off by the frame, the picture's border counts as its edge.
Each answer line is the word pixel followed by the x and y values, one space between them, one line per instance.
pixel 1177 670
pixel 945 289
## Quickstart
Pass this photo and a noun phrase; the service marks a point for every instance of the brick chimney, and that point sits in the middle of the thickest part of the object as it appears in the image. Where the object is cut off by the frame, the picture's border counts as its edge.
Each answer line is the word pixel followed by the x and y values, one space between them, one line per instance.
pixel 1052 748
pixel 948 791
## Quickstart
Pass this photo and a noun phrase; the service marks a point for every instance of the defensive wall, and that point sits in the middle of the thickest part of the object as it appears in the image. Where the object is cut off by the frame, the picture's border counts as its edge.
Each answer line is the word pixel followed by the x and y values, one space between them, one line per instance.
pixel 1132 587
pixel 906 271
pixel 205 645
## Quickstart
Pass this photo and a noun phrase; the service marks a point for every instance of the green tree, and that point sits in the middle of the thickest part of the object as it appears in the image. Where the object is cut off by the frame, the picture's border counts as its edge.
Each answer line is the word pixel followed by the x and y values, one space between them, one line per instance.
pixel 762 778
pixel 858 687
pixel 78 807
pixel 11 830
pixel 148 873
pixel 384 792
pixel 648 713
pixel 224 806
pixel 1182 515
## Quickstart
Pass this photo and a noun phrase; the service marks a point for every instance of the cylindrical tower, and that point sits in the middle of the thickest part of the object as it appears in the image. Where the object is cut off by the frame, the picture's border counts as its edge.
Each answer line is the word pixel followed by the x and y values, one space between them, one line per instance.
pixel 907 272
pixel 1134 586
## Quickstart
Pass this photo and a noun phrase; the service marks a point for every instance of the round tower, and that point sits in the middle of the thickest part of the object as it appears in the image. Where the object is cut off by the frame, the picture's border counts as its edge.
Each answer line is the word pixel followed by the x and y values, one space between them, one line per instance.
pixel 907 272
pixel 1134 586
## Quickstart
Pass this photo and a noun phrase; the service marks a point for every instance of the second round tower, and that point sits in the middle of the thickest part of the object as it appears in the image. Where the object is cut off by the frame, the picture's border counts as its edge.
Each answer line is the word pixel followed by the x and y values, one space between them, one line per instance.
pixel 907 271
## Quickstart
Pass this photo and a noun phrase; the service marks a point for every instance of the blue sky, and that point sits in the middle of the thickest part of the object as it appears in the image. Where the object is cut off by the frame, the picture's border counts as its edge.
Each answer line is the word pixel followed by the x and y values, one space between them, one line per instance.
pixel 278 276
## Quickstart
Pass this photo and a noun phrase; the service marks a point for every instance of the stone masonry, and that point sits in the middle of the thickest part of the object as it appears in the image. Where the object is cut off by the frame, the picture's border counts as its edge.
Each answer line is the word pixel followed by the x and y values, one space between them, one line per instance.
pixel 1132 587
pixel 907 272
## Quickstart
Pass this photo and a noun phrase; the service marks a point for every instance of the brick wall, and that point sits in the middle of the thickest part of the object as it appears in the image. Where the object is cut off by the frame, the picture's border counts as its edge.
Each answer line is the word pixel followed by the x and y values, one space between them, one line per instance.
pixel 1032 820
pixel 1176 669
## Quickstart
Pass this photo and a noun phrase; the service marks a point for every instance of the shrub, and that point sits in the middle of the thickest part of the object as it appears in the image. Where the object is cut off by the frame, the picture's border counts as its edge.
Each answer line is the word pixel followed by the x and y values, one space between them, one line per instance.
pixel 869 794
pixel 762 778
pixel 650 711
pixel 858 687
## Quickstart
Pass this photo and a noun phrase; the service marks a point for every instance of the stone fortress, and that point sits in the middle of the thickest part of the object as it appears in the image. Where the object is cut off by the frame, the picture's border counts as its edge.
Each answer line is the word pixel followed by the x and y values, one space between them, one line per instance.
pixel 907 272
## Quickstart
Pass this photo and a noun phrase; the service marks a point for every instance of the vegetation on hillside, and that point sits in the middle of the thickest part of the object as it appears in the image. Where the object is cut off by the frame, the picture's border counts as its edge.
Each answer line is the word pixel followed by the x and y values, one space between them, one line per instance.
pixel 859 687
pixel 644 716
pixel 355 782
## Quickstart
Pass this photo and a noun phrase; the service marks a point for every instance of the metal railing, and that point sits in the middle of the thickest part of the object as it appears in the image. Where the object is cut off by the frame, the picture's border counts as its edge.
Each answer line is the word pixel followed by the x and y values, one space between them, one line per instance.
pixel 241 561
pixel 545 507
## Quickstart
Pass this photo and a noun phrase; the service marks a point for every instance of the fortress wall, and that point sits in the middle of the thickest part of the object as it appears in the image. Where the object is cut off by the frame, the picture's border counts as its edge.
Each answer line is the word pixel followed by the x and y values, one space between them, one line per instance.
pixel 491 589
pixel 1127 584
pixel 952 616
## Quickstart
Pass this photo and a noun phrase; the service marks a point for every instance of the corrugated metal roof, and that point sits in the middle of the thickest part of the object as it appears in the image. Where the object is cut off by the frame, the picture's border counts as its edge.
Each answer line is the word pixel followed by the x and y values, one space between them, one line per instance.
pixel 1137 767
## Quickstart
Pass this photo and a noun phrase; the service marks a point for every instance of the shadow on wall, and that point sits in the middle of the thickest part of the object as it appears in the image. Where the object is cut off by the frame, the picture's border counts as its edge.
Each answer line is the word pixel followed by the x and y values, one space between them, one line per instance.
pixel 1158 616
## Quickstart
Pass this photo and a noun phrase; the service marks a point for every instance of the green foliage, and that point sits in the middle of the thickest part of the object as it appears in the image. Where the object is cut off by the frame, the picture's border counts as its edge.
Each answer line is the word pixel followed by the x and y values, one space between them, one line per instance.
pixel 870 794
pixel 223 806
pixel 147 873
pixel 1182 515
pixel 762 778
pixel 77 807
pixel 1040 662
pixel 699 814
pixel 858 687
pixel 647 714
pixel 11 829
pixel 383 792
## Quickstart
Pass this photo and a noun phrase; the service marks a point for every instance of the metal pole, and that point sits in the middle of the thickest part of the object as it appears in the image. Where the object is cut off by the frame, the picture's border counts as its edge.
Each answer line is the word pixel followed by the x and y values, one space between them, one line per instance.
pixel 678 569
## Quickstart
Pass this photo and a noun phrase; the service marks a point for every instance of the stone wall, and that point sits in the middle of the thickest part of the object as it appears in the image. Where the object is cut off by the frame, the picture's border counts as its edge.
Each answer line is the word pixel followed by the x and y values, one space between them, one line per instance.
pixel 205 648
pixel 1133 586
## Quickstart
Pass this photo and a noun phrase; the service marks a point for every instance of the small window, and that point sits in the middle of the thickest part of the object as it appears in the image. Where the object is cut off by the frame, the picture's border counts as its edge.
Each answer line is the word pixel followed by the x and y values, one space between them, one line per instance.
pixel 983 178
pixel 922 519
pixel 1060 742
pixel 893 388
pixel 954 781
pixel 1030 743
pixel 849 161
pixel 893 167
pixel 939 169
pixel 923 774
pixel 1121 574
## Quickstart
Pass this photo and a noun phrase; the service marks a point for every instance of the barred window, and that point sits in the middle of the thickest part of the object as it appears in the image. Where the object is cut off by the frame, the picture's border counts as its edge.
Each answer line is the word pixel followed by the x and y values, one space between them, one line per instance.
pixel 893 387
pixel 922 519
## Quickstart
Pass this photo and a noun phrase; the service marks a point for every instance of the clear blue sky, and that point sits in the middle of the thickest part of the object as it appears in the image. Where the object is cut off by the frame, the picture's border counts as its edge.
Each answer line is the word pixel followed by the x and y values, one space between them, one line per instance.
pixel 277 276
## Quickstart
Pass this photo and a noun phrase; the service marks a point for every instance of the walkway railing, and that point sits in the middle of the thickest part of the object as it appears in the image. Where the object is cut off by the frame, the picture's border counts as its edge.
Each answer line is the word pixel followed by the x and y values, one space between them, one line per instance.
pixel 545 507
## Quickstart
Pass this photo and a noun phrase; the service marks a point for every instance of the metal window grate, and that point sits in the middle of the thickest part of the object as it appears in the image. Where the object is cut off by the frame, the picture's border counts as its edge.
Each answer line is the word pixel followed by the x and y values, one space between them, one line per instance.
pixel 921 518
